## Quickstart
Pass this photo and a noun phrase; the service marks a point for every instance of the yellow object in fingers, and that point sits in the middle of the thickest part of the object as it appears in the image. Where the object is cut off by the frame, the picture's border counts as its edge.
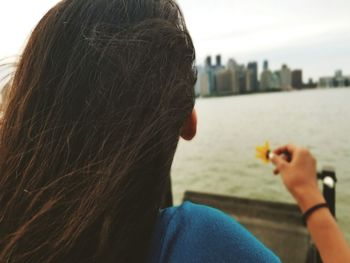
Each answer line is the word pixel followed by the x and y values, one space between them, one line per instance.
pixel 262 152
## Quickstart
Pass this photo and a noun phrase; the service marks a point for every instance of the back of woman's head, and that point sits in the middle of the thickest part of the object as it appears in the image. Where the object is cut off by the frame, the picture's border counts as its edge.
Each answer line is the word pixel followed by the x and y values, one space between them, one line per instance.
pixel 91 125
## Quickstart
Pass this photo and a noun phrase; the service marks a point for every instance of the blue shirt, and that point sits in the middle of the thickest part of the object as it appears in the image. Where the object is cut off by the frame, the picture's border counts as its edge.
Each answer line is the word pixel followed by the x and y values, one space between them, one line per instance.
pixel 197 233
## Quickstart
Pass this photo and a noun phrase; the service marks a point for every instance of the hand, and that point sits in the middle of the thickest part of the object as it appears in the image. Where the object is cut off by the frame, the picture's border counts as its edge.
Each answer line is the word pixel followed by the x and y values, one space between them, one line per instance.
pixel 298 169
pixel 298 174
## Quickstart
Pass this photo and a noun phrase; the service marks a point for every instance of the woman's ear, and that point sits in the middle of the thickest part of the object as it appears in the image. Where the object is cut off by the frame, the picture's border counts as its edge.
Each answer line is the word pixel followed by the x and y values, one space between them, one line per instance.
pixel 190 126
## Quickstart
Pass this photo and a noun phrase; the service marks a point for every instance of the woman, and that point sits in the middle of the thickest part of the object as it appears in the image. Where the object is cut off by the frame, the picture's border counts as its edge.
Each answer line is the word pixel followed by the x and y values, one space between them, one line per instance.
pixel 102 92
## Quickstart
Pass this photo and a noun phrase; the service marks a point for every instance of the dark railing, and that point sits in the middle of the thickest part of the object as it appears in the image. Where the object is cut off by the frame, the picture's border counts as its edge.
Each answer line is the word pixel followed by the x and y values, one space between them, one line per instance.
pixel 329 180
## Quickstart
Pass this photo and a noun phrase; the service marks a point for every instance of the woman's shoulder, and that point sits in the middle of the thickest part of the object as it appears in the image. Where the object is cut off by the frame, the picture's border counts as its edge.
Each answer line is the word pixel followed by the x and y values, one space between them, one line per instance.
pixel 198 233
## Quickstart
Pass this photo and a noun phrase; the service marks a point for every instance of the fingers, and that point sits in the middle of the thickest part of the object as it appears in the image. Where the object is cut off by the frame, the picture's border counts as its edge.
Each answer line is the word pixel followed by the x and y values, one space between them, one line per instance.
pixel 279 162
pixel 290 148
pixel 286 156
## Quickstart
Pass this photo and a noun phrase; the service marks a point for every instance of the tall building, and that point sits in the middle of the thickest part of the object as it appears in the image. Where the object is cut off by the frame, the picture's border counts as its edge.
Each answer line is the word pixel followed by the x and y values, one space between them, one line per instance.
pixel 234 69
pixel 253 67
pixel 238 76
pixel 203 80
pixel 266 65
pixel 210 79
pixel 265 77
pixel 232 64
pixel 286 78
pixel 275 81
pixel 218 60
pixel 270 81
pixel 265 80
pixel 211 72
pixel 208 61
pixel 297 79
pixel 224 81
pixel 249 80
pixel 241 75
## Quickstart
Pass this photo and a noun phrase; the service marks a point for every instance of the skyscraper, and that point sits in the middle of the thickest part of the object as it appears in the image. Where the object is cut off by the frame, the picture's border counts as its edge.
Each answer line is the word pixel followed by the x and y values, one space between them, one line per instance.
pixel 286 78
pixel 203 80
pixel 234 68
pixel 208 61
pixel 266 65
pixel 249 80
pixel 218 60
pixel 253 67
pixel 211 74
pixel 224 81
pixel 275 81
pixel 297 79
pixel 241 75
pixel 266 77
pixel 232 64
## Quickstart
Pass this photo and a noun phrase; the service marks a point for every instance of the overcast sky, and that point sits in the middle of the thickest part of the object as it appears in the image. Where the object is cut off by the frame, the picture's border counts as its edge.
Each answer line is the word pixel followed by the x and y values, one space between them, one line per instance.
pixel 313 35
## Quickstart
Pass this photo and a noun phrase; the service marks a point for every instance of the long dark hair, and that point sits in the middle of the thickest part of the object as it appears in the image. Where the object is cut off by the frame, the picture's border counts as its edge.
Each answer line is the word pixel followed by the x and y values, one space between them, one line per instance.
pixel 90 128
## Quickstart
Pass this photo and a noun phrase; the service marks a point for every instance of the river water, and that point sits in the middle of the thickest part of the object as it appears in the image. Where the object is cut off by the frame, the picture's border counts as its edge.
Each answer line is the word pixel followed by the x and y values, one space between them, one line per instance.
pixel 221 158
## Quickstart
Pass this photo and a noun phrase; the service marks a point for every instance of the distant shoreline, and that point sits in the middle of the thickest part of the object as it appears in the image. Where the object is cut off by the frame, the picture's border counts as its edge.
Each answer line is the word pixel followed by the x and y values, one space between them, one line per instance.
pixel 267 92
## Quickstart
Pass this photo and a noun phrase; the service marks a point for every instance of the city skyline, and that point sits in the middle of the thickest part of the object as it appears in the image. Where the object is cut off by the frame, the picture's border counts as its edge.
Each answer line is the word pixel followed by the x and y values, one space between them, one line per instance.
pixel 316 78
pixel 232 78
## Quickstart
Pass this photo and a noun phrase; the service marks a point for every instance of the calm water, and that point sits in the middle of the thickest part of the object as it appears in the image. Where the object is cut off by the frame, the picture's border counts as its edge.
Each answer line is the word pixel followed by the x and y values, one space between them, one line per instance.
pixel 221 159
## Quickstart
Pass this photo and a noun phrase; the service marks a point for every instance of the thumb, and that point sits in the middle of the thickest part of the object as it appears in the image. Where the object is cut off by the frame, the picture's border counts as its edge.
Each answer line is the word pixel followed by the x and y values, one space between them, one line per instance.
pixel 278 161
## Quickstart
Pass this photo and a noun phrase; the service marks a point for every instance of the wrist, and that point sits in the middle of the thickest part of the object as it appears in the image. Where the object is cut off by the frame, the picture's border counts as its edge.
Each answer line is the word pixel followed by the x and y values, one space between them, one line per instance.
pixel 307 198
